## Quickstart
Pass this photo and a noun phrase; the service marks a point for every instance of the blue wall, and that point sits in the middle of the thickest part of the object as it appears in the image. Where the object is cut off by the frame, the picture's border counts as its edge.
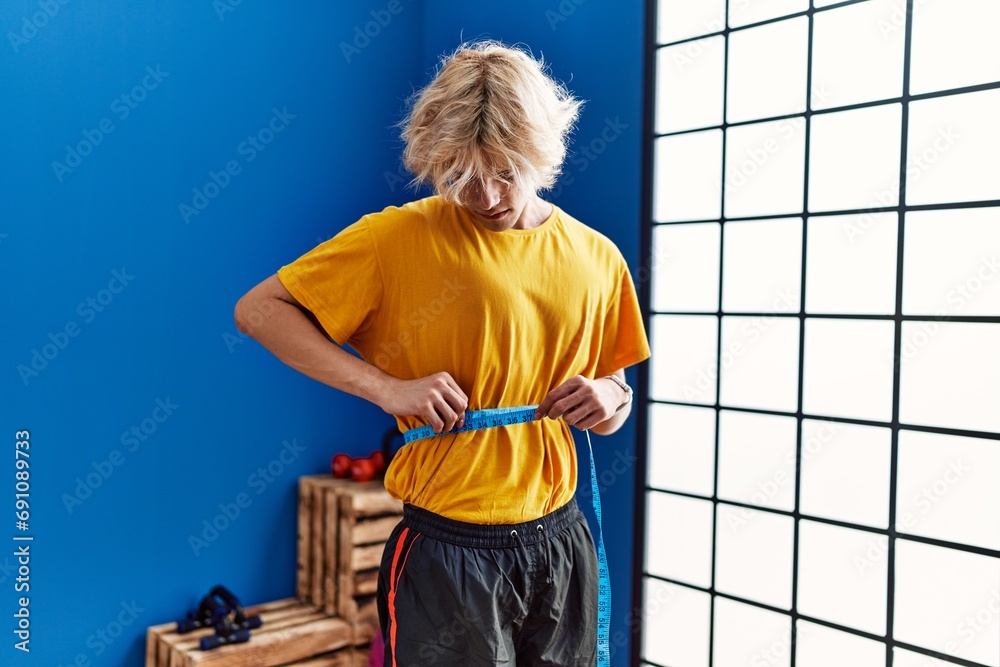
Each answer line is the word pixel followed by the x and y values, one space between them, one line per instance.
pixel 159 159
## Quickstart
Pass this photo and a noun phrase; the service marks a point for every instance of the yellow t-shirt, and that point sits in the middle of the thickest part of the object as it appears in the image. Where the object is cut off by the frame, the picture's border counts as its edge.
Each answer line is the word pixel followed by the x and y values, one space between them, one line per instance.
pixel 424 288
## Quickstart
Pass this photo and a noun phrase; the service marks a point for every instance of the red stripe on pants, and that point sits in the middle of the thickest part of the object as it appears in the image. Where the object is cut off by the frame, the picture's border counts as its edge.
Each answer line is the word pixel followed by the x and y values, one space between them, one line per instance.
pixel 394 574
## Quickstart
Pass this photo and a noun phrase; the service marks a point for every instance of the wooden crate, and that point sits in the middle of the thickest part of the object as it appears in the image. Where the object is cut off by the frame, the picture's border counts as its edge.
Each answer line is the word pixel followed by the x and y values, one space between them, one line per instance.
pixel 343 527
pixel 347 657
pixel 292 632
pixel 367 517
pixel 342 530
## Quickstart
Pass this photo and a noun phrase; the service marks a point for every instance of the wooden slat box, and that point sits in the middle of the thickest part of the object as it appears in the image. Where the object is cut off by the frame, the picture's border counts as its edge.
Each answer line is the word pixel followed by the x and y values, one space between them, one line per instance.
pixel 292 631
pixel 345 657
pixel 367 518
pixel 343 527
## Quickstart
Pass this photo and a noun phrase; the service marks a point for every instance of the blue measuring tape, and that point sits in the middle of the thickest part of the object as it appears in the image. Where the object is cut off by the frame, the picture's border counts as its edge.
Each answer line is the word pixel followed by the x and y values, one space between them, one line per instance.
pixel 493 417
pixel 476 420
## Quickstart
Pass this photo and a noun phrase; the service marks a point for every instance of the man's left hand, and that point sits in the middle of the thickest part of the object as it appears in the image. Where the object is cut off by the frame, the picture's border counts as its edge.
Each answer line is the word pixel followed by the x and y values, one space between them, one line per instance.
pixel 582 402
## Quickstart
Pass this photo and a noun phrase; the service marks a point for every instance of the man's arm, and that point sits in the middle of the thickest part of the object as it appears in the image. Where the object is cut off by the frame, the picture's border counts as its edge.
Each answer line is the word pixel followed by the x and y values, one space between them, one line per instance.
pixel 588 404
pixel 274 318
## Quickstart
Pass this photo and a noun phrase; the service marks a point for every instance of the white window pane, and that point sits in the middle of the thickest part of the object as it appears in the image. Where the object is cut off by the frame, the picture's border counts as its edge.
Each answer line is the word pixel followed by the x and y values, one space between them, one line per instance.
pixel 954 44
pixel 760 362
pixel 947 488
pixel 687 275
pixel 867 243
pixel 946 600
pixel 848 368
pixel 763 266
pixel 839 581
pixel 747 636
pixel 757 459
pixel 684 367
pixel 679 538
pixel 952 149
pixel 682 448
pixel 767 70
pixel 765 168
pixel 676 625
pixel 688 177
pixel 819 646
pixel 689 85
pixel 854 159
pixel 745 12
pixel 952 262
pixel 681 19
pixel 854 58
pixel 948 375
pixel 845 472
pixel 753 557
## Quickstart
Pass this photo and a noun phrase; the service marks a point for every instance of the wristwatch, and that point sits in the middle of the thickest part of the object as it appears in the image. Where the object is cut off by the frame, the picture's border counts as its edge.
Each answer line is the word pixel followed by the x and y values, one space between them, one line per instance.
pixel 627 389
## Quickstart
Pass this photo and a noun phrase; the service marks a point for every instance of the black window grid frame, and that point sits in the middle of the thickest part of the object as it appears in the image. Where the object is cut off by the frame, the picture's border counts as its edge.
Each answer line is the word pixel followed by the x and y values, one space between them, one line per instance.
pixel 644 401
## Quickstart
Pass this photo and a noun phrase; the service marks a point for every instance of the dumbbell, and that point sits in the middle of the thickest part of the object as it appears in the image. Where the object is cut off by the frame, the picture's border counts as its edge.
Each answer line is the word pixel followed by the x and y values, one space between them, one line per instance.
pixel 222 611
pixel 209 611
pixel 360 469
pixel 225 634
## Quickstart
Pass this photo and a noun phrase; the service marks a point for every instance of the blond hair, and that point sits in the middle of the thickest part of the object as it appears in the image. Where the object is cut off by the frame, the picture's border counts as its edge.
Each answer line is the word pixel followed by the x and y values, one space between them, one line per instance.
pixel 491 111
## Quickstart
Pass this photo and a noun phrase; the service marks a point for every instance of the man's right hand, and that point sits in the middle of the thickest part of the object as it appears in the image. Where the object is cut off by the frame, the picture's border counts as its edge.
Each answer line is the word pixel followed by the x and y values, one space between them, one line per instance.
pixel 436 399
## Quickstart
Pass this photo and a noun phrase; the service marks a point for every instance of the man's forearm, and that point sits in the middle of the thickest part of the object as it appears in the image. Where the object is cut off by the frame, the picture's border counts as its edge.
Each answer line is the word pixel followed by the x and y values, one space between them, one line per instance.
pixel 271 315
pixel 289 334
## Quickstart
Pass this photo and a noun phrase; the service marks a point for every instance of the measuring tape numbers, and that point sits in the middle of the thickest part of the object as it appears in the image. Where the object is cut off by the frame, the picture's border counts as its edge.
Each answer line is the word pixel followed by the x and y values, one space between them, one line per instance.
pixel 476 420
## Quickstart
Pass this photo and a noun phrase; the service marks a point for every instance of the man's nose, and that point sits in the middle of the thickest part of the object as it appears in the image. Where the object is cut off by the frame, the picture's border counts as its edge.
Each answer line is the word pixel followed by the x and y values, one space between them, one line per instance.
pixel 489 194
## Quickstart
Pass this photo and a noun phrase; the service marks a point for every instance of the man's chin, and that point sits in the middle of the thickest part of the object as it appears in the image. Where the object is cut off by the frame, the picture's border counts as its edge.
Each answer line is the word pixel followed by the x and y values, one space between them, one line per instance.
pixel 498 223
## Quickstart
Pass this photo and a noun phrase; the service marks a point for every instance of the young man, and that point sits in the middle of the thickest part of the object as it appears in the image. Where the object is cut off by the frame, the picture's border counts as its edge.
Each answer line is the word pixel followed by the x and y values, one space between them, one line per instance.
pixel 482 296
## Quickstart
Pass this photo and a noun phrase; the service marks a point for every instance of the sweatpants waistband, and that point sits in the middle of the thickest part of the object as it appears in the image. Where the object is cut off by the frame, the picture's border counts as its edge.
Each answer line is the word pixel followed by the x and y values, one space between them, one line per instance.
pixel 489 536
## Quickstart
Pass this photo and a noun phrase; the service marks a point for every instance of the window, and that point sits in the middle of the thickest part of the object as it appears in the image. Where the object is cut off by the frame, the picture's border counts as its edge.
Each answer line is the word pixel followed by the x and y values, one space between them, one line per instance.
pixel 821 415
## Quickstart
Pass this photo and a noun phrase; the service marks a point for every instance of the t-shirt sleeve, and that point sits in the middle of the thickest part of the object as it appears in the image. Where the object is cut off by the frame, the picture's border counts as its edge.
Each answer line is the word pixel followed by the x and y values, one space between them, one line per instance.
pixel 339 281
pixel 624 337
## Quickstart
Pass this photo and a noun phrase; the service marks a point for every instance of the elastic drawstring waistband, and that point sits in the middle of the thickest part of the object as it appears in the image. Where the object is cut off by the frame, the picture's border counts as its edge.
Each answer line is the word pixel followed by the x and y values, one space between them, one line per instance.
pixel 489 536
